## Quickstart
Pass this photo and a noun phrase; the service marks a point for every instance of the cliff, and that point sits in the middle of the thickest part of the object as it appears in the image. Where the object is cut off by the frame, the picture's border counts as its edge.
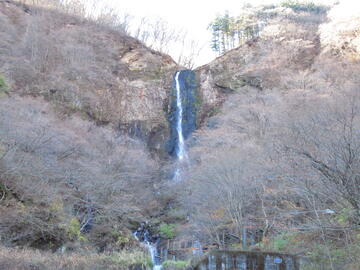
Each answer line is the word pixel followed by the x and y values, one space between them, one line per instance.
pixel 286 41
pixel 83 120
pixel 83 68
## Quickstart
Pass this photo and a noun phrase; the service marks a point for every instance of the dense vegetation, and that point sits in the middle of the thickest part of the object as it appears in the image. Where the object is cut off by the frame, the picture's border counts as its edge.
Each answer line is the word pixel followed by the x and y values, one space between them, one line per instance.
pixel 276 161
pixel 69 179
pixel 284 161
pixel 13 259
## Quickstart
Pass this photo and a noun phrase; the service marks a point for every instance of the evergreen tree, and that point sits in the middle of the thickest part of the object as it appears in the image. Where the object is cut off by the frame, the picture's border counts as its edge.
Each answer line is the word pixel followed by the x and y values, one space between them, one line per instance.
pixel 229 32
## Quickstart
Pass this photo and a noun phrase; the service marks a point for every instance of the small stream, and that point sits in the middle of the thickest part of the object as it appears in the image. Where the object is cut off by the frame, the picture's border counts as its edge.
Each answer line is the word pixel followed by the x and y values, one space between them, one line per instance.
pixel 151 243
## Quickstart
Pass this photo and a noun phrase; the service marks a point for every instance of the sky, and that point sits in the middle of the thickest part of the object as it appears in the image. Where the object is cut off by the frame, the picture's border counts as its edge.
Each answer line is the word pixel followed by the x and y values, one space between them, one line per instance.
pixel 193 16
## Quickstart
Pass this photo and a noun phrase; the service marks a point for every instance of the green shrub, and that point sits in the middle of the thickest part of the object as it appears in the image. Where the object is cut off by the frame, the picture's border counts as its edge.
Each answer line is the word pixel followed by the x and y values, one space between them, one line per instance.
pixel 175 265
pixel 167 230
pixel 299 6
pixel 280 243
pixel 73 230
pixel 342 256
pixel 344 216
pixel 122 239
pixel 3 85
pixel 284 241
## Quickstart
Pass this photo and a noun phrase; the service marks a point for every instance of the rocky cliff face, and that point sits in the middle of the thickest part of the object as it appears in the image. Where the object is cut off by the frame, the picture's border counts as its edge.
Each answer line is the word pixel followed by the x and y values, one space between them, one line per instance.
pixel 289 41
pixel 83 68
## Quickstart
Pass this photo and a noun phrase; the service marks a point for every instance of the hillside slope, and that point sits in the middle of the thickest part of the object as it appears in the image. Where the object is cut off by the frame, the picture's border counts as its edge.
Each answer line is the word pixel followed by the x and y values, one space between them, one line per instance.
pixel 82 67
pixel 83 124
pixel 270 159
pixel 83 121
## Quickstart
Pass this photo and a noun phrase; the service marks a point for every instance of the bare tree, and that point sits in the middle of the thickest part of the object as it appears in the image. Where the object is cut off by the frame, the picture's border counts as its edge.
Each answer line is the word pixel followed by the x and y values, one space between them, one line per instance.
pixel 58 175
pixel 161 36
pixel 327 144
pixel 226 194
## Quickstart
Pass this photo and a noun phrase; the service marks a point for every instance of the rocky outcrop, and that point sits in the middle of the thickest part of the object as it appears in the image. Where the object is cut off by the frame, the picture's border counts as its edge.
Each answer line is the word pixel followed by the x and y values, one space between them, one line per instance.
pixel 84 68
pixel 341 34
pixel 288 41
pixel 143 109
pixel 94 72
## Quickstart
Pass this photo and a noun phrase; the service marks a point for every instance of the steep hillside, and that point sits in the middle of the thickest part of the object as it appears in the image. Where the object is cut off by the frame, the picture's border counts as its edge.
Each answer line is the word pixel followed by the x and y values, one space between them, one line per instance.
pixel 341 34
pixel 84 128
pixel 83 123
pixel 84 68
pixel 270 159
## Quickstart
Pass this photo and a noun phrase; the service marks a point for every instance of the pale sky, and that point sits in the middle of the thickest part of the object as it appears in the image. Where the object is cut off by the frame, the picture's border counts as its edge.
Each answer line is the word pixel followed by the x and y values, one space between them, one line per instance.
pixel 191 15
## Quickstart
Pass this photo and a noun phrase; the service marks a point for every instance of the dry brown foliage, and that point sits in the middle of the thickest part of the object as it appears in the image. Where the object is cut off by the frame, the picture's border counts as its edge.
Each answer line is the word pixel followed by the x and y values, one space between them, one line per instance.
pixel 277 157
pixel 55 170
pixel 25 259
pixel 81 65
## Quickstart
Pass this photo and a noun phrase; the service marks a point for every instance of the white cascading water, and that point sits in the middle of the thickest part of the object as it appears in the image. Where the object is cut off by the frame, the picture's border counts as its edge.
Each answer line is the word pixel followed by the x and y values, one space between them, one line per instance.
pixel 180 149
pixel 151 247
pixel 153 253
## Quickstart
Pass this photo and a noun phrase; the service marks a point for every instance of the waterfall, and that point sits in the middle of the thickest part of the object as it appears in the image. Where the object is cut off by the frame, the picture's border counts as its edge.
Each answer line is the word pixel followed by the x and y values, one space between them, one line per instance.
pixel 182 113
pixel 152 247
pixel 180 149
pixel 182 118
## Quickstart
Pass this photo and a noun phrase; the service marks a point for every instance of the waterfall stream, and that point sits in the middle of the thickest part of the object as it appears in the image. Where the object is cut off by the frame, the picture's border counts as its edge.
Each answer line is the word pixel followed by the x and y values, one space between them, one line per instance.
pixel 180 150
pixel 152 247
pixel 182 122
pixel 143 236
pixel 183 118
